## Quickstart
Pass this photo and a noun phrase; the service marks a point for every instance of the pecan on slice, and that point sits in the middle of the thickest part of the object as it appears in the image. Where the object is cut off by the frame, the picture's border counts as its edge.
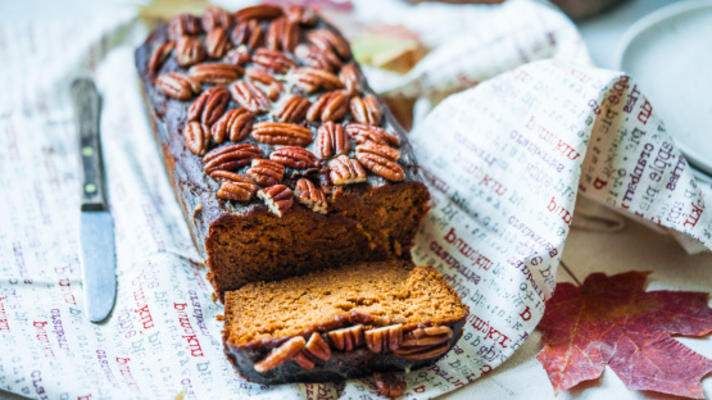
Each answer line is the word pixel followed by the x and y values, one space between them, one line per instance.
pixel 159 56
pixel 316 58
pixel 378 149
pixel 310 196
pixel 295 157
pixel 280 355
pixel 278 199
pixel 361 133
pixel 421 352
pixel 263 11
pixel 217 42
pixel 250 96
pixel 389 385
pixel 234 125
pixel 379 340
pixel 303 361
pixel 301 15
pixel 282 34
pixel 195 137
pixel 428 336
pixel 281 133
pixel 209 106
pixel 239 56
pixel 311 79
pixel 327 40
pixel 189 51
pixel 316 348
pixel 331 140
pixel 247 33
pixel 294 109
pixel 275 86
pixel 381 166
pixel 183 24
pixel 215 73
pixel 345 171
pixel 366 111
pixel 331 106
pixel 272 60
pixel 214 17
pixel 230 157
pixel 233 186
pixel 177 85
pixel 265 172
pixel 346 339
pixel 351 78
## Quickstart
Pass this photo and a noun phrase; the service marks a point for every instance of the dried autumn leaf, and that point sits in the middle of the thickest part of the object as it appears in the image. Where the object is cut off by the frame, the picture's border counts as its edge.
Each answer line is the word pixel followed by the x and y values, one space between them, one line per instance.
pixel 611 320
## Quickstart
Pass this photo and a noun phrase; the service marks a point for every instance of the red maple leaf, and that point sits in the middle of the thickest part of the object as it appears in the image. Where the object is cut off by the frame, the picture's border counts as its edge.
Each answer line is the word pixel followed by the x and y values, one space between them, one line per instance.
pixel 613 321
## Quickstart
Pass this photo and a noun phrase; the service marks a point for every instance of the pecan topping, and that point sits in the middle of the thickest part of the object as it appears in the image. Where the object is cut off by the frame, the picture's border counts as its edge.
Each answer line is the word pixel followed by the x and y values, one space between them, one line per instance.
pixel 331 140
pixel 366 111
pixel 278 199
pixel 189 51
pixel 427 336
pixel 380 340
pixel 317 347
pixel 310 79
pixel 230 157
pixel 250 96
pixel 331 106
pixel 265 172
pixel 282 34
pixel 263 11
pixel 183 24
pixel 345 171
pixel 159 56
pixel 381 166
pixel 310 196
pixel 195 137
pixel 303 361
pixel 239 56
pixel 351 78
pixel 313 57
pixel 275 87
pixel 346 339
pixel 327 40
pixel 294 109
pixel 214 17
pixel 215 73
pixel 378 149
pixel 300 15
pixel 363 133
pixel 280 355
pixel 177 85
pixel 272 60
pixel 389 385
pixel 217 43
pixel 209 106
pixel 234 125
pixel 421 352
pixel 248 33
pixel 294 156
pixel 282 133
pixel 233 186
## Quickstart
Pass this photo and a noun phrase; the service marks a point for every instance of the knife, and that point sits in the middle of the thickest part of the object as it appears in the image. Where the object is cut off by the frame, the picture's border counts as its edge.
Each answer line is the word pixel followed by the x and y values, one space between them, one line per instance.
pixel 98 256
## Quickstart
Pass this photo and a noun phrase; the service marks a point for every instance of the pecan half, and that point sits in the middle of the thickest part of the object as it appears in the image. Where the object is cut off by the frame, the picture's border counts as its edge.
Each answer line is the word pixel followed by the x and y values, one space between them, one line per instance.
pixel 234 125
pixel 428 336
pixel 351 78
pixel 314 57
pixel 380 340
pixel 183 24
pixel 272 60
pixel 282 34
pixel 381 166
pixel 327 40
pixel 189 51
pixel 301 15
pixel 214 17
pixel 265 172
pixel 233 186
pixel 278 199
pixel 248 33
pixel 177 85
pixel 215 73
pixel 275 87
pixel 303 361
pixel 281 133
pixel 378 149
pixel 195 137
pixel 331 140
pixel 250 96
pixel 263 11
pixel 366 111
pixel 311 79
pixel 230 157
pixel 280 355
pixel 316 348
pixel 217 42
pixel 345 171
pixel 294 109
pixel 331 106
pixel 239 56
pixel 209 106
pixel 421 352
pixel 363 133
pixel 159 56
pixel 294 156
pixel 346 339
pixel 310 196
pixel 389 385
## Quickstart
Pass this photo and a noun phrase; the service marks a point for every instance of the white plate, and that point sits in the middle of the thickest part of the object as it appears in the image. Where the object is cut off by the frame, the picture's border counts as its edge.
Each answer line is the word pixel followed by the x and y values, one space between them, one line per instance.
pixel 669 53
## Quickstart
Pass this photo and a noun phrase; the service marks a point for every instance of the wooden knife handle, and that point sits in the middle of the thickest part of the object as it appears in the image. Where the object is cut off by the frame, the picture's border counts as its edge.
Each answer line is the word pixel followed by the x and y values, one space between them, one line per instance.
pixel 87 107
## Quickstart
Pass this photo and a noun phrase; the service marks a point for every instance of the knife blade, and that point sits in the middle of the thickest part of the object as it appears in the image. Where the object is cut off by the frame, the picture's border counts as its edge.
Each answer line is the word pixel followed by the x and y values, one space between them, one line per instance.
pixel 98 255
